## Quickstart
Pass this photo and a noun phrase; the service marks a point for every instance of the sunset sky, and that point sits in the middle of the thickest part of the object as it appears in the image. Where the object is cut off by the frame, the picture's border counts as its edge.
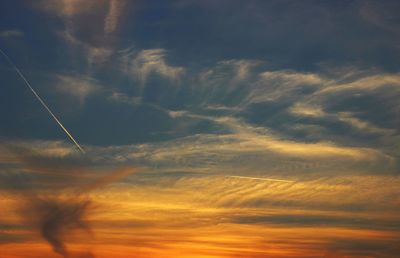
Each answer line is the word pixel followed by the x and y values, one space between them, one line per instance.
pixel 208 128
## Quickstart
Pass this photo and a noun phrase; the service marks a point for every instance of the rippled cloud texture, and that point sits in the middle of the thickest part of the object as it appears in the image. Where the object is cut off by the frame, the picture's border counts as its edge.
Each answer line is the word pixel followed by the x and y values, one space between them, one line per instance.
pixel 210 129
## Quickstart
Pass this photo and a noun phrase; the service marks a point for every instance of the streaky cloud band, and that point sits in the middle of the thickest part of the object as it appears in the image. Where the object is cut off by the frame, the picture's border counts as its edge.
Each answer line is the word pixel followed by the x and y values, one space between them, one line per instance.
pixel 264 179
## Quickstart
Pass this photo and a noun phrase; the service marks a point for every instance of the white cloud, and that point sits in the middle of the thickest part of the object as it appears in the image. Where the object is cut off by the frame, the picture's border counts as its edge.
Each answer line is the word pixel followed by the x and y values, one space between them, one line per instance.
pixel 312 110
pixel 151 61
pixel 98 55
pixel 246 147
pixel 226 77
pixel 123 98
pixel 307 110
pixel 290 78
pixel 364 84
pixel 78 87
pixel 273 85
pixel 242 68
pixel 259 138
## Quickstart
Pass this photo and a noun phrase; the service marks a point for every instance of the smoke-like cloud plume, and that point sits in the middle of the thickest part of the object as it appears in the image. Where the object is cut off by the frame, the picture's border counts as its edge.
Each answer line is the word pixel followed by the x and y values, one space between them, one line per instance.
pixel 56 214
pixel 56 217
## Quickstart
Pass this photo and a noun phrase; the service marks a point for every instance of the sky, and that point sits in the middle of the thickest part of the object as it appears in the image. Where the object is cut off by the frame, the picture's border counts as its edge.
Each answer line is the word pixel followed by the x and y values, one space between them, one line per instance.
pixel 207 128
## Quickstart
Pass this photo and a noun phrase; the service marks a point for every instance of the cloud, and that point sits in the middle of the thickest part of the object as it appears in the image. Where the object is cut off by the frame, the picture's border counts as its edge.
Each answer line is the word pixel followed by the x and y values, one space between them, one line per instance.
pixel 66 8
pixel 368 83
pixel 357 102
pixel 338 194
pixel 151 61
pixel 81 30
pixel 273 85
pixel 341 206
pixel 304 110
pixel 237 84
pixel 52 215
pixel 94 55
pixel 200 133
pixel 362 125
pixel 110 177
pixel 242 68
pixel 243 147
pixel 69 10
pixel 253 137
pixel 79 87
pixel 42 200
pixel 56 218
pixel 124 98
pixel 11 34
pixel 235 209
pixel 290 111
pixel 112 18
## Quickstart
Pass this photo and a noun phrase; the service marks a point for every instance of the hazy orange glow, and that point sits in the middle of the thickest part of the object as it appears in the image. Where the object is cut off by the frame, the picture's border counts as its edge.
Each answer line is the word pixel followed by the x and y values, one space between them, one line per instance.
pixel 180 222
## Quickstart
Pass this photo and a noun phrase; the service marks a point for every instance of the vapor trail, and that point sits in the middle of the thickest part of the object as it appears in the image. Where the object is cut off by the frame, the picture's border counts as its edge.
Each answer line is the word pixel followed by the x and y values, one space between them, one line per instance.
pixel 41 101
pixel 264 179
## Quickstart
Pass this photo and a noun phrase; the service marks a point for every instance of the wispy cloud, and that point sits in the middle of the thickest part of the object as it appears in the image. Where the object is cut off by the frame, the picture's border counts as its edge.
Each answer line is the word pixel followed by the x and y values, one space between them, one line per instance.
pixel 151 61
pixel 65 8
pixel 94 55
pixel 241 68
pixel 304 110
pixel 113 15
pixel 81 21
pixel 78 87
pixel 264 179
pixel 244 147
pixel 273 85
pixel 11 34
pixel 367 83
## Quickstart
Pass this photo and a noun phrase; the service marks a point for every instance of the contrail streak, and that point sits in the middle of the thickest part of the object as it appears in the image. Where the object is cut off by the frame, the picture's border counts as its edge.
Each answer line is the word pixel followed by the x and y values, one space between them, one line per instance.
pixel 41 101
pixel 264 179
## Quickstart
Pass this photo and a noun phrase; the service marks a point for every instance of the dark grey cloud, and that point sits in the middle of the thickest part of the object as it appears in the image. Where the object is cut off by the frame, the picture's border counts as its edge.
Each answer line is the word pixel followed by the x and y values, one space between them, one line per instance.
pixel 38 181
pixel 55 218
pixel 309 220
pixel 361 247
